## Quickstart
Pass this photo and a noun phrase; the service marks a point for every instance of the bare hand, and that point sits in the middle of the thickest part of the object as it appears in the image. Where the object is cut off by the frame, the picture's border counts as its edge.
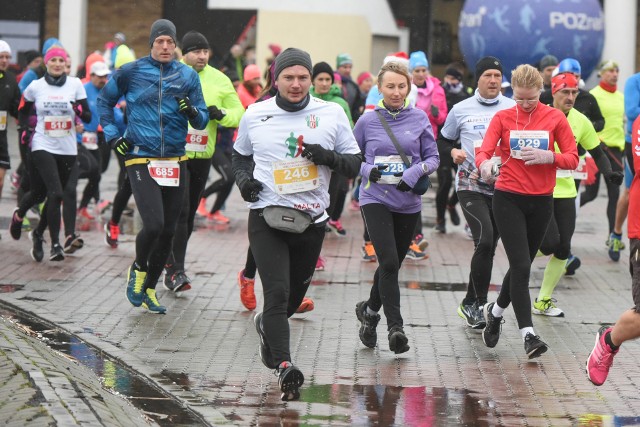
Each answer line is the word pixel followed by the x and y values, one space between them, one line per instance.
pixel 458 156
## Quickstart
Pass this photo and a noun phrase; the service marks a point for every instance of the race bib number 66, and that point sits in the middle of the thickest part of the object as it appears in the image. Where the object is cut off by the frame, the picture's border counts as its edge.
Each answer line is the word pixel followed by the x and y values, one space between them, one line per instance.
pixel 518 139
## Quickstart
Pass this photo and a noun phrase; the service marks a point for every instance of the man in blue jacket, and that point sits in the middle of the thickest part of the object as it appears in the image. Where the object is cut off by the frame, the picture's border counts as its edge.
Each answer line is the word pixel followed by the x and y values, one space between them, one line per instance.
pixel 163 96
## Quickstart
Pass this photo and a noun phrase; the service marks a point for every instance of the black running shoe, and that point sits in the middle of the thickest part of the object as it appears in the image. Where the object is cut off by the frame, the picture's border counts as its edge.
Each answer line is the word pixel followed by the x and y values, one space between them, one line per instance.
pixel 57 253
pixel 467 312
pixel 37 251
pixel 290 379
pixel 177 282
pixel 263 348
pixel 16 225
pixel 453 213
pixel 72 243
pixel 368 324
pixel 398 340
pixel 534 346
pixel 573 263
pixel 491 332
pixel 478 322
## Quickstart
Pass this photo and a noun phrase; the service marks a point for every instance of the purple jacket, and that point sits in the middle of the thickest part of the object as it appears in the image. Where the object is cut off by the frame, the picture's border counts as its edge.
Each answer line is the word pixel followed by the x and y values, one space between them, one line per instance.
pixel 415 135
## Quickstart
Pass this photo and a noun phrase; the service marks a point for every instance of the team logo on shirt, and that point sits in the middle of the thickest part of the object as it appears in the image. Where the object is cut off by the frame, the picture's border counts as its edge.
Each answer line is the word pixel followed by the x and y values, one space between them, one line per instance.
pixel 294 145
pixel 312 121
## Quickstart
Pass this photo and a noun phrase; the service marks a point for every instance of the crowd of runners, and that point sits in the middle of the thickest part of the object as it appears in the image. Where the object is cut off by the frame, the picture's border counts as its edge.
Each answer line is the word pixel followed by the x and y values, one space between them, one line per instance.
pixel 520 157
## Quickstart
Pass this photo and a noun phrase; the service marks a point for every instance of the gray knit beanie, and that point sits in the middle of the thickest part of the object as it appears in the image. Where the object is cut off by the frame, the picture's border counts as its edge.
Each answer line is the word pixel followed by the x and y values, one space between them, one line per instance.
pixel 162 27
pixel 290 57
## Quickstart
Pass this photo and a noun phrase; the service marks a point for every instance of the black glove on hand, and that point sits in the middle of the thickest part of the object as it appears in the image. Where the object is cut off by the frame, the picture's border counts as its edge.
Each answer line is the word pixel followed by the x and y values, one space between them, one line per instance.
pixel 215 113
pixel 185 107
pixel 120 145
pixel 402 186
pixel 434 110
pixel 317 154
pixel 76 108
pixel 375 174
pixel 250 190
pixel 614 177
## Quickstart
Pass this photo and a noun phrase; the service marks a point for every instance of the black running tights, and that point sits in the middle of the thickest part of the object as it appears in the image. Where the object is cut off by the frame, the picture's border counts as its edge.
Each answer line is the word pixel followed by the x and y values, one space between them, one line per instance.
pixel 391 234
pixel 478 211
pixel 159 208
pixel 557 240
pixel 522 222
pixel 286 262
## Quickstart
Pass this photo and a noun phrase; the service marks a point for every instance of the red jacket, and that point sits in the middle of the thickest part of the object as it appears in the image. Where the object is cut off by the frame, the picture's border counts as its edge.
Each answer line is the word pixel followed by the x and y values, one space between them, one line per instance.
pixel 515 177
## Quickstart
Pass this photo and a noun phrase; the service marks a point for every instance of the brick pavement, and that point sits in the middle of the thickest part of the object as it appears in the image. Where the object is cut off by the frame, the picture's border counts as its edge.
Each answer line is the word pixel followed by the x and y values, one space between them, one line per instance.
pixel 204 350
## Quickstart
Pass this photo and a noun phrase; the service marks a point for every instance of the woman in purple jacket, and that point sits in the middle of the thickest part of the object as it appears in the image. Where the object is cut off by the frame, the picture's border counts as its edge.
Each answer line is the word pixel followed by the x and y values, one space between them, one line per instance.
pixel 390 208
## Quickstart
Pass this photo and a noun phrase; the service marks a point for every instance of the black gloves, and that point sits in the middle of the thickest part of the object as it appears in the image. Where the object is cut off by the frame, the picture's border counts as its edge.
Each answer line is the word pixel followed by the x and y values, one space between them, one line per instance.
pixel 375 174
pixel 215 113
pixel 435 111
pixel 185 107
pixel 613 177
pixel 120 145
pixel 250 190
pixel 402 186
pixel 76 108
pixel 317 154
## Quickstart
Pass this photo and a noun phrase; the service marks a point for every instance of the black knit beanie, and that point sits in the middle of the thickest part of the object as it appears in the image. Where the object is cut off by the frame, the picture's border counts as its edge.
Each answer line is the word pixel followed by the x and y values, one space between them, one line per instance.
pixel 453 72
pixel 193 40
pixel 290 57
pixel 322 67
pixel 162 27
pixel 487 63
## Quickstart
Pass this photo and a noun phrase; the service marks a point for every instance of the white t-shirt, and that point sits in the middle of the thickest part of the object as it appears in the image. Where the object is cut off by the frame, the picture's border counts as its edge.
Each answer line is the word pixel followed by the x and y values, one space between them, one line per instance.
pixel 55 131
pixel 468 121
pixel 273 136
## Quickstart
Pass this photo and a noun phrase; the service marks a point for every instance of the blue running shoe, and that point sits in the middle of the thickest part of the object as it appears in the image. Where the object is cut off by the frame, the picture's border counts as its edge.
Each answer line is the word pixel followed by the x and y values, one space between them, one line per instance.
pixel 573 263
pixel 135 285
pixel 151 302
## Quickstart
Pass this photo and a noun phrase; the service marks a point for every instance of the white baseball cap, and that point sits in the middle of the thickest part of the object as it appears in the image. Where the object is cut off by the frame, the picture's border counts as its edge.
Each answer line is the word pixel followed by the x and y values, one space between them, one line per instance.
pixel 100 69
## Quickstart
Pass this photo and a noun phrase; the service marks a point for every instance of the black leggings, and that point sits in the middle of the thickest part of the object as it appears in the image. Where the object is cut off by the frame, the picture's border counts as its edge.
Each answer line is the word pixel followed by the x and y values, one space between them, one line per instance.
pixel 159 209
pixel 69 200
pixel 522 221
pixel 221 162
pixel 391 234
pixel 557 240
pixel 338 189
pixel 196 173
pixel 286 262
pixel 89 163
pixel 478 212
pixel 49 176
pixel 613 190
pixel 123 195
pixel 445 180
pixel 250 265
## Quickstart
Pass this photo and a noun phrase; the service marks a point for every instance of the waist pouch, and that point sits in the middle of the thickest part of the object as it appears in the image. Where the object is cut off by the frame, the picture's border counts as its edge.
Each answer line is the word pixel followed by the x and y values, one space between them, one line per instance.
pixel 286 219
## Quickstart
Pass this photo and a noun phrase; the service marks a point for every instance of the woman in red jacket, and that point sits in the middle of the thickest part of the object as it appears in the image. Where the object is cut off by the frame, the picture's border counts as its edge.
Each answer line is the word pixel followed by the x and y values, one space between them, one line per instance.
pixel 523 198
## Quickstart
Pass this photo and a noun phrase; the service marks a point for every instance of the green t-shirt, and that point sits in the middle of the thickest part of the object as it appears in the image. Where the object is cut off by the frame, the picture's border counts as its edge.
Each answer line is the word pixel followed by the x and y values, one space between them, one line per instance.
pixel 612 108
pixel 586 136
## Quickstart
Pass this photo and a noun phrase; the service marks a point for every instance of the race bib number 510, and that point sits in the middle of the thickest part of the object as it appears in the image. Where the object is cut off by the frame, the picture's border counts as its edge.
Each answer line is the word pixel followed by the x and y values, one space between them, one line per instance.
pixel 295 176
pixel 57 126
pixel 518 139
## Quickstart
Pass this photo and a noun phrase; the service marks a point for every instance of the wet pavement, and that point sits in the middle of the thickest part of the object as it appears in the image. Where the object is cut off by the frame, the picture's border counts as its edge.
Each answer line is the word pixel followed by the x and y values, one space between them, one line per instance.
pixel 203 352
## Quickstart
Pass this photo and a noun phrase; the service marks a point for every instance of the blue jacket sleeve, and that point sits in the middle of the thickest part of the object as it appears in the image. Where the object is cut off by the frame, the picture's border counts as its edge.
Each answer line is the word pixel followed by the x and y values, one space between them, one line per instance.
pixel 631 103
pixel 28 77
pixel 197 98
pixel 107 99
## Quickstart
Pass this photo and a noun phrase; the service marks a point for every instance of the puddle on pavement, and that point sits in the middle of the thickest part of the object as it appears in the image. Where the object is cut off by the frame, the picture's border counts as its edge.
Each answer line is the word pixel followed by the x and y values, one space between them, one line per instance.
pixel 157 405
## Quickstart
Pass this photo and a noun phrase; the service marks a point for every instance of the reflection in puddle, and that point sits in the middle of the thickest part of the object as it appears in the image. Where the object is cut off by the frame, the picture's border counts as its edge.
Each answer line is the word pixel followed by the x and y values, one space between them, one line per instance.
pixel 8 288
pixel 157 405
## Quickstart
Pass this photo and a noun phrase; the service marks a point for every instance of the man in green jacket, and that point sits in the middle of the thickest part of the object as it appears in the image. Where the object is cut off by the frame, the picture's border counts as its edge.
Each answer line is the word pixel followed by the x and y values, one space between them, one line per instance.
pixel 611 103
pixel 225 110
